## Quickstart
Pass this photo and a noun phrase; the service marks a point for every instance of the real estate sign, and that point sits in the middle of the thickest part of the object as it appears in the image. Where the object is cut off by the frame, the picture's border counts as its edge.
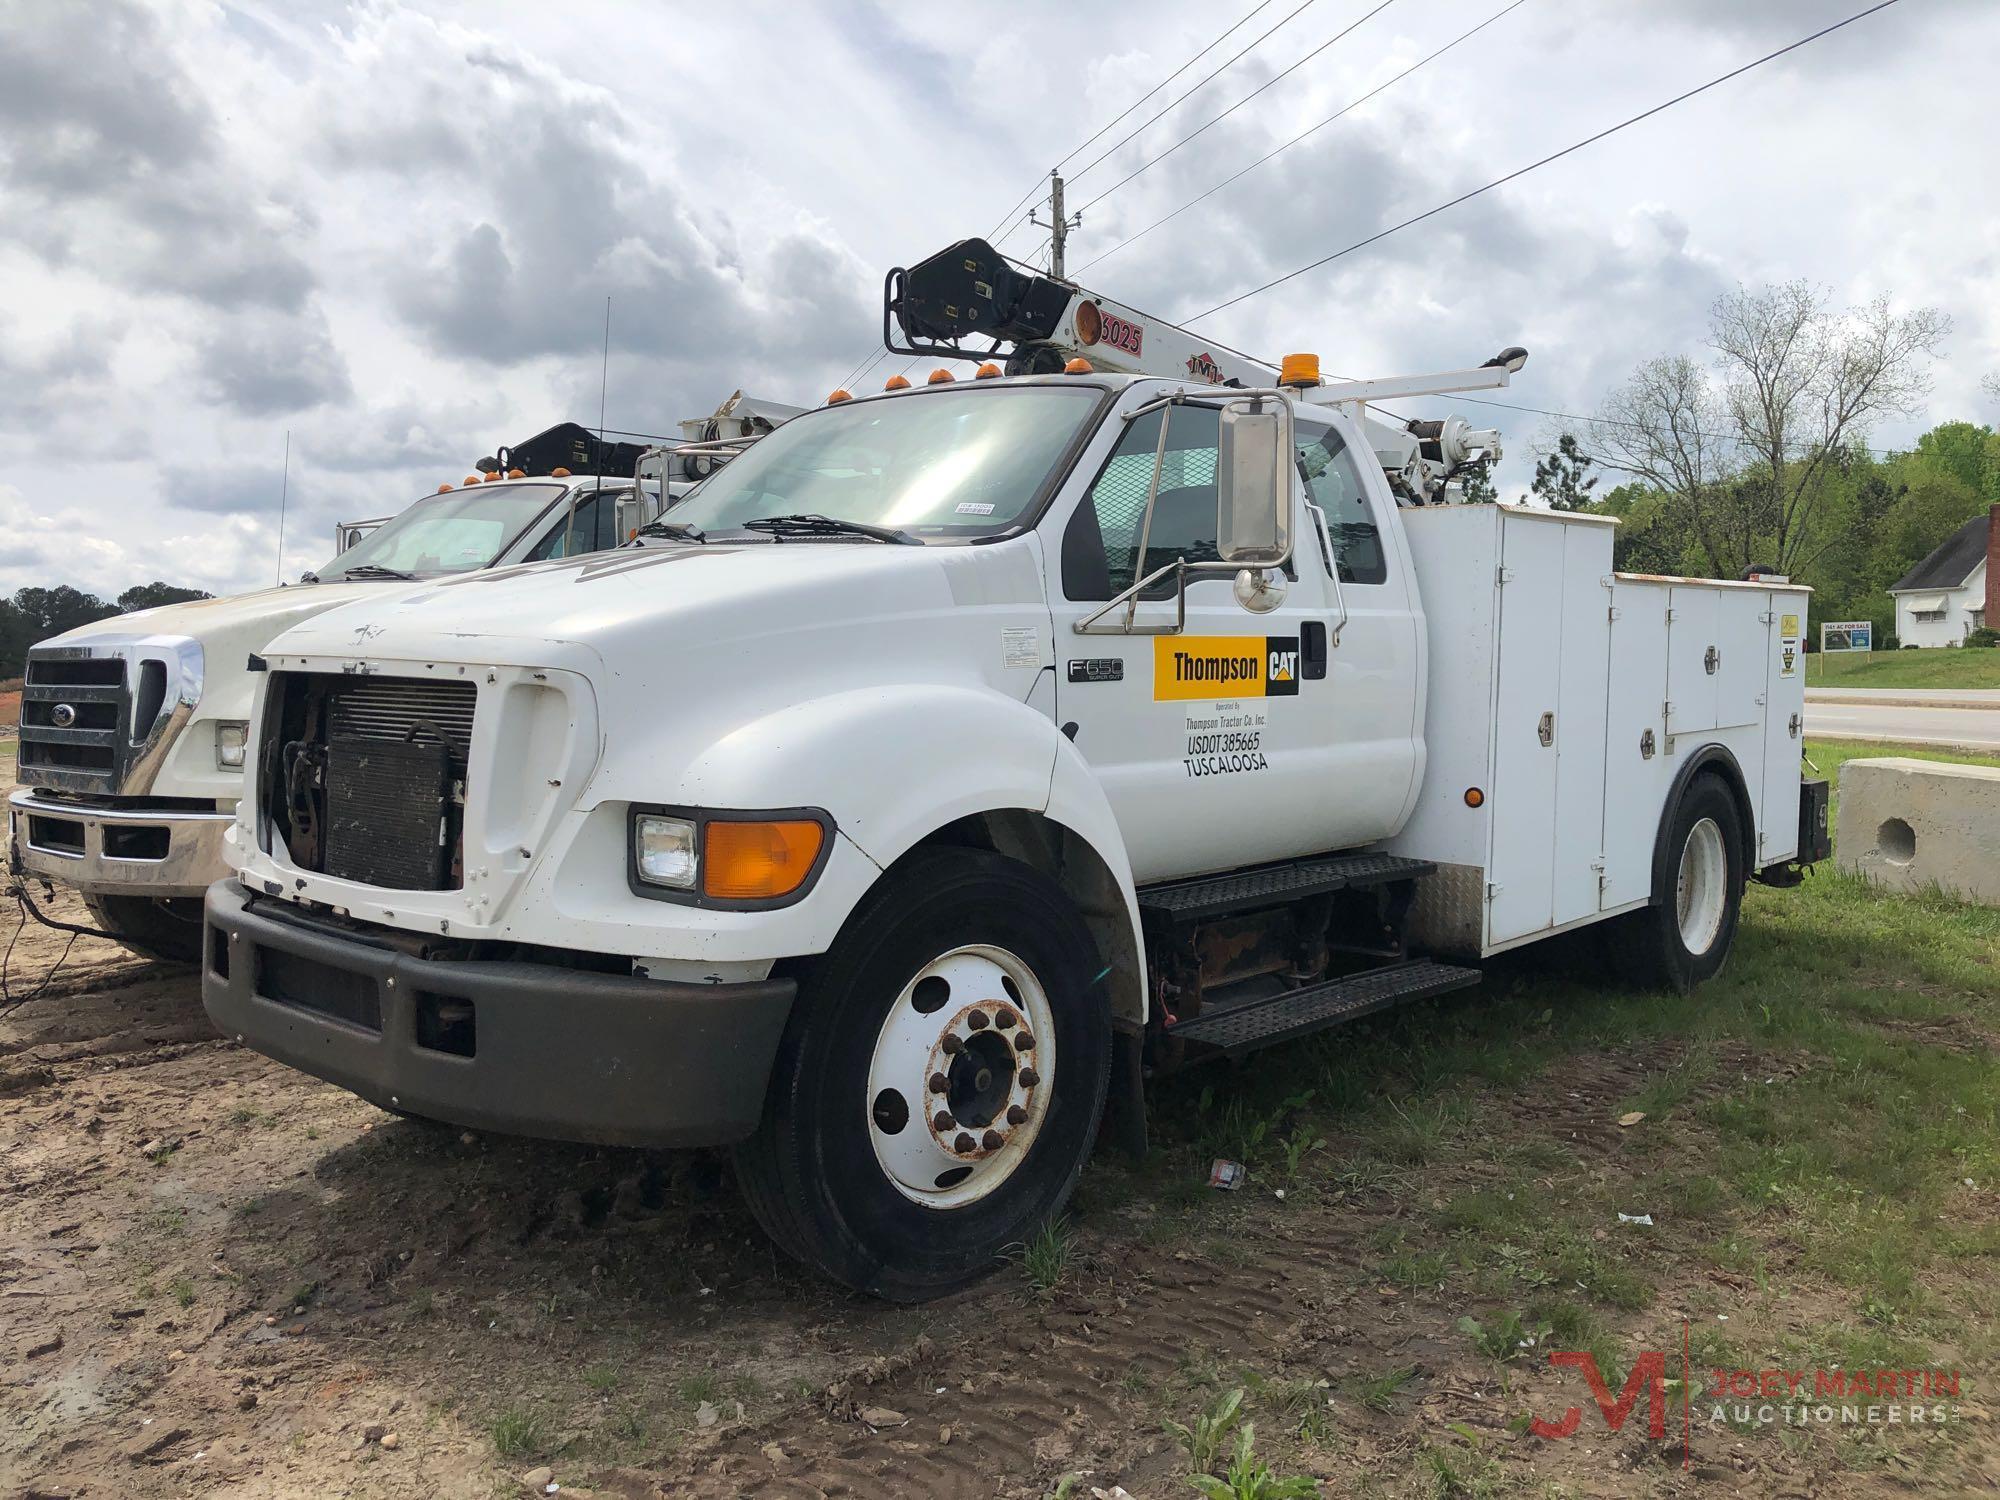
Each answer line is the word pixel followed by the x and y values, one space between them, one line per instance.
pixel 1849 635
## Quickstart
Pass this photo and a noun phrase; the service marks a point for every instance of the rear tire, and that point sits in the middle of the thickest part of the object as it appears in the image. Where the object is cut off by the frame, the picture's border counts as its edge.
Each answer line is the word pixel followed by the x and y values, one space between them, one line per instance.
pixel 1685 935
pixel 964 988
pixel 167 928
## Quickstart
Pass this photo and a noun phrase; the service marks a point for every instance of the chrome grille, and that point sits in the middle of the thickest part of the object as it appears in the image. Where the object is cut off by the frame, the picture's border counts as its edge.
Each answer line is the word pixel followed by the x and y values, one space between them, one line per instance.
pixel 75 719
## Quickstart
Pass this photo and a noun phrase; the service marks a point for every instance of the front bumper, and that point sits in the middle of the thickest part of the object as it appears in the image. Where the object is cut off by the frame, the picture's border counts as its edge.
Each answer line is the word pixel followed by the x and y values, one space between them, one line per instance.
pixel 526 1048
pixel 118 851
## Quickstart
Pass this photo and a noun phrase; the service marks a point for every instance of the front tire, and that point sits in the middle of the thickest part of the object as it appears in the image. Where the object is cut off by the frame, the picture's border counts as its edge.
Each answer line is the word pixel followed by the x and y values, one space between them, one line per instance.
pixel 940 1081
pixel 166 928
pixel 1685 935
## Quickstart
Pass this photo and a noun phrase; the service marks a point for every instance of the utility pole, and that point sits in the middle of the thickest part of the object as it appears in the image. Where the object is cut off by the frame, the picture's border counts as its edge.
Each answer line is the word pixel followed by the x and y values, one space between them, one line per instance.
pixel 1059 225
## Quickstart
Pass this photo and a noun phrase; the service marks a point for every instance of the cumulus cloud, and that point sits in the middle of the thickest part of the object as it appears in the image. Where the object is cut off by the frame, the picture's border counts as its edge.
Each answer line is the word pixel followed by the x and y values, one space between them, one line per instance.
pixel 391 235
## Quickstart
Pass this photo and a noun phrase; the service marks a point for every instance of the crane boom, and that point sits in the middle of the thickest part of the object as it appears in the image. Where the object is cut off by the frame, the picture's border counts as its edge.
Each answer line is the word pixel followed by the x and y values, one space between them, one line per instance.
pixel 1037 324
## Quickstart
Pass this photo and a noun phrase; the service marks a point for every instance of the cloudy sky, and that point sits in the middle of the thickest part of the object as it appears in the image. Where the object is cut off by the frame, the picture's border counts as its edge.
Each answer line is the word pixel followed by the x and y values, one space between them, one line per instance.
pixel 390 230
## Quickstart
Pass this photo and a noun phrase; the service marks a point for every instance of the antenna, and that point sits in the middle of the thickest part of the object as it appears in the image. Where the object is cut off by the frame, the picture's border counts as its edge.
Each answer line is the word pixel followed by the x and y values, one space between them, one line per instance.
pixel 603 385
pixel 284 495
pixel 1058 226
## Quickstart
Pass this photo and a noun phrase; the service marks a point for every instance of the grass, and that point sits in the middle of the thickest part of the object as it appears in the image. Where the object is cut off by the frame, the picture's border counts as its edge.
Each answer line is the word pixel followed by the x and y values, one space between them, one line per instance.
pixel 1813 1116
pixel 1977 667
pixel 519 1432
pixel 1045 1256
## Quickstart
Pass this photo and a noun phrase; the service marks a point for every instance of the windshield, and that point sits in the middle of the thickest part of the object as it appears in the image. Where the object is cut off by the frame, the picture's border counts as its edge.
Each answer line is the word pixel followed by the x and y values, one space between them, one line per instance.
pixel 449 533
pixel 939 464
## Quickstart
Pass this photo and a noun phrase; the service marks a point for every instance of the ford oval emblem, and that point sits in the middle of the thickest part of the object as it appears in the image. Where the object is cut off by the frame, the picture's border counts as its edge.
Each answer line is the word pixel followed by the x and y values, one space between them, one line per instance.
pixel 63 715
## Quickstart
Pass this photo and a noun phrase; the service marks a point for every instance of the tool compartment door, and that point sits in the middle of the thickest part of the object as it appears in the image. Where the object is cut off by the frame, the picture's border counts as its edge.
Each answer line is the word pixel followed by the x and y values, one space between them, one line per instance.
pixel 1743 635
pixel 1784 710
pixel 1520 869
pixel 1693 659
pixel 1637 769
pixel 1585 637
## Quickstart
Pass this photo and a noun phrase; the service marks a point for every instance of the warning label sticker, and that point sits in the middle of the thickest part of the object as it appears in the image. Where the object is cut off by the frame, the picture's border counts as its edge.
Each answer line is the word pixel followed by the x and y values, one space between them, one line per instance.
pixel 1225 666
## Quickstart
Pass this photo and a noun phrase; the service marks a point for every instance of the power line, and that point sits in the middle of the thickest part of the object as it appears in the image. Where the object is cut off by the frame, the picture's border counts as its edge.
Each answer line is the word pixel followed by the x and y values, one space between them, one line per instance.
pixel 1218 119
pixel 1108 125
pixel 1532 166
pixel 1713 437
pixel 1310 130
pixel 1126 139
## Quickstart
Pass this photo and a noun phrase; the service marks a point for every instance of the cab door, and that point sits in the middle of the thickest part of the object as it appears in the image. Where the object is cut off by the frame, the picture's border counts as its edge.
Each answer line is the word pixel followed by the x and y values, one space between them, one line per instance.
pixel 1244 737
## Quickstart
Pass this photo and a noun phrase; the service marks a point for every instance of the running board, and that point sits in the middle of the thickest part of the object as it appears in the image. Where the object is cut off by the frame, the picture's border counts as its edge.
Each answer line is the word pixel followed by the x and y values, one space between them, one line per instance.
pixel 1237 1029
pixel 1211 896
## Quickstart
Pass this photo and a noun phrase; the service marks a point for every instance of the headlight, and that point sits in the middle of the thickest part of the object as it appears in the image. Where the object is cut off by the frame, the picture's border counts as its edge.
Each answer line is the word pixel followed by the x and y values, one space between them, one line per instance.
pixel 664 850
pixel 230 737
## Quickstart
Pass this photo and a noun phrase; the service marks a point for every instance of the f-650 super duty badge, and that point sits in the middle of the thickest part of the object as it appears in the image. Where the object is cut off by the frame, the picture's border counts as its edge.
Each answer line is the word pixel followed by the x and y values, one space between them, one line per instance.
pixel 1225 666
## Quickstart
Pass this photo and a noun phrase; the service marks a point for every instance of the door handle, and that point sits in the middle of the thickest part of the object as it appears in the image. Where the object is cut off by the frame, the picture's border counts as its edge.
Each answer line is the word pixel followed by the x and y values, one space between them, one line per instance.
pixel 1547 729
pixel 1312 649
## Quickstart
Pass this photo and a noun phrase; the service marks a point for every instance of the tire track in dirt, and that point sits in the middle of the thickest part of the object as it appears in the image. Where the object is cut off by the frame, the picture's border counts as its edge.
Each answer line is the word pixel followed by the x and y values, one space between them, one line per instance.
pixel 1011 1393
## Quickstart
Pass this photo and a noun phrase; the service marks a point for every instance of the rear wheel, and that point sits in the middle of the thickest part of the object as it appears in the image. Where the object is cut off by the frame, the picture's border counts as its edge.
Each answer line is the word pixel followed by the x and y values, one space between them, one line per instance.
pixel 940 1082
pixel 159 927
pixel 1684 937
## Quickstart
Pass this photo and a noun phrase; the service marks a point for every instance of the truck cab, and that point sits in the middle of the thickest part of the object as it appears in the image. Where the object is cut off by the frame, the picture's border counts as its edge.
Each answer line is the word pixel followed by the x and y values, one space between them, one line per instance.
pixel 133 729
pixel 1021 737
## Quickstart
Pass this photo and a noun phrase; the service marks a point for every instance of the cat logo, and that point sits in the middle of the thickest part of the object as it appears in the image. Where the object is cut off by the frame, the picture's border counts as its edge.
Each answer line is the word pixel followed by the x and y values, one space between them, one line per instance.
pixel 1217 667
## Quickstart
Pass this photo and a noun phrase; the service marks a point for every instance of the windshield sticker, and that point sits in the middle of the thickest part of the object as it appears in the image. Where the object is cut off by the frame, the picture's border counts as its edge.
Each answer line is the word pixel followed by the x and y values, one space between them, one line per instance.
pixel 974 508
pixel 1226 741
pixel 1020 646
pixel 1225 666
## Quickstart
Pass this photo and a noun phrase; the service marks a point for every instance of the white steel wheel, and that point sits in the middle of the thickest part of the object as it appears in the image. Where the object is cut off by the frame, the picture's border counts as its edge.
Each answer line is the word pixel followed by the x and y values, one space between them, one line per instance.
pixel 1701 890
pixel 961 1075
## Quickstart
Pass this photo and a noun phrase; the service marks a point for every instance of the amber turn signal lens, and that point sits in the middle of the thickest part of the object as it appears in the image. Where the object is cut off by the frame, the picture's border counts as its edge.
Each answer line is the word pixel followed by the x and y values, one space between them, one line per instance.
pixel 1474 797
pixel 1089 323
pixel 758 861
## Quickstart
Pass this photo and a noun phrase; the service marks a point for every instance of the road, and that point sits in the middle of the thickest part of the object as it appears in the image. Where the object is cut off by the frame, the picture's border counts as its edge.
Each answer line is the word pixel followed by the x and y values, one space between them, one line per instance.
pixel 1911 724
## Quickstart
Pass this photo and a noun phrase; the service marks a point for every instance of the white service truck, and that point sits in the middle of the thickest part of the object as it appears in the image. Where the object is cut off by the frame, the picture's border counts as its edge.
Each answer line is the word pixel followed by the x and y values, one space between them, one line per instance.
pixel 133 728
pixel 963 755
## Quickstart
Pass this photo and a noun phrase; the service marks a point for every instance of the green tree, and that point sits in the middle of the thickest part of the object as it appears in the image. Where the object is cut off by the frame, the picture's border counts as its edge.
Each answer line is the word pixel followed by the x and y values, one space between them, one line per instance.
pixel 152 595
pixel 1560 475
pixel 1967 451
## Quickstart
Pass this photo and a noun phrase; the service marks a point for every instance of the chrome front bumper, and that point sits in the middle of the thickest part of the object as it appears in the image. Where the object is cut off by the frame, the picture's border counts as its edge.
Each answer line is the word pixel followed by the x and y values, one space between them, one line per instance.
pixel 118 851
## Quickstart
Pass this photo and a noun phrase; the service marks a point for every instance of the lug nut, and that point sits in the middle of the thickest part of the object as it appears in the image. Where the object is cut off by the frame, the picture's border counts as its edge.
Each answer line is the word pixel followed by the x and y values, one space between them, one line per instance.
pixel 941 1122
pixel 951 1044
pixel 964 1143
pixel 1005 1020
pixel 1024 1043
pixel 992 1140
pixel 977 1020
pixel 939 1083
pixel 1029 1078
pixel 1015 1114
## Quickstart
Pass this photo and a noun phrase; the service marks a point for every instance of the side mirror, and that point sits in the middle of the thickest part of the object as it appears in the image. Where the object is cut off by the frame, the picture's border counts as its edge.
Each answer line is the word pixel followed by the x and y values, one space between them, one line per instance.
pixel 1253 483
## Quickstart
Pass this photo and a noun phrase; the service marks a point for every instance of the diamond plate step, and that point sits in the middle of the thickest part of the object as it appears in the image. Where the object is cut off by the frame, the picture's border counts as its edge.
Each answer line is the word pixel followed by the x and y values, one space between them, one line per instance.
pixel 1275 885
pixel 1279 1018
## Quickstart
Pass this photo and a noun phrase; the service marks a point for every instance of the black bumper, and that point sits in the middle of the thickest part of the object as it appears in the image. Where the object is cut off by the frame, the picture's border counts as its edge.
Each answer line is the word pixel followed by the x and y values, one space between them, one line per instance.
pixel 525 1048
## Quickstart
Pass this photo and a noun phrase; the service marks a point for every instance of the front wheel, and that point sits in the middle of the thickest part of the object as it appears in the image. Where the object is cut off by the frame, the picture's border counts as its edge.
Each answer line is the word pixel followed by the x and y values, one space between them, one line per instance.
pixel 940 1082
pixel 166 927
pixel 1685 935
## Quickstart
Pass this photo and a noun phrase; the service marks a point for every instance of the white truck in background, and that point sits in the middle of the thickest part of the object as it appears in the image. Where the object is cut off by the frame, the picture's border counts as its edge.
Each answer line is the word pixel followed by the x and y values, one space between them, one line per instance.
pixel 133 728
pixel 965 754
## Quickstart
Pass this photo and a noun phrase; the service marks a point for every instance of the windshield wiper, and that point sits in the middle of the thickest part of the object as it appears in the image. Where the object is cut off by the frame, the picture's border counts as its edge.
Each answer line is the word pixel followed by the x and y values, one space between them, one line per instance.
pixel 375 570
pixel 813 525
pixel 678 531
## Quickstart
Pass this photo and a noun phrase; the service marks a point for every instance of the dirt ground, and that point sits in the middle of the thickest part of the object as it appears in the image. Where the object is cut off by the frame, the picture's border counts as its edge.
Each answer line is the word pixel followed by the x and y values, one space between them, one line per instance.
pixel 221 1278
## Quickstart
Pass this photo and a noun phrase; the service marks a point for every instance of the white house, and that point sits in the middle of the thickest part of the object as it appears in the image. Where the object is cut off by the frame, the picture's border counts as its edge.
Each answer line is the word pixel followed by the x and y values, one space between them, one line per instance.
pixel 1950 593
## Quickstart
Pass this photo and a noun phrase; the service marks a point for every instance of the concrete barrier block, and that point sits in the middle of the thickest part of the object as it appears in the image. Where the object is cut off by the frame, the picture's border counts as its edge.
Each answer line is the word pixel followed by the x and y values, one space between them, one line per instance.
pixel 1910 824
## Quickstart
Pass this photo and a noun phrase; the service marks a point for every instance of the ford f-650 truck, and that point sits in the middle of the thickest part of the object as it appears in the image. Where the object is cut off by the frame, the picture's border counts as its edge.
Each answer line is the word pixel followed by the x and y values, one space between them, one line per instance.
pixel 963 755
pixel 133 728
